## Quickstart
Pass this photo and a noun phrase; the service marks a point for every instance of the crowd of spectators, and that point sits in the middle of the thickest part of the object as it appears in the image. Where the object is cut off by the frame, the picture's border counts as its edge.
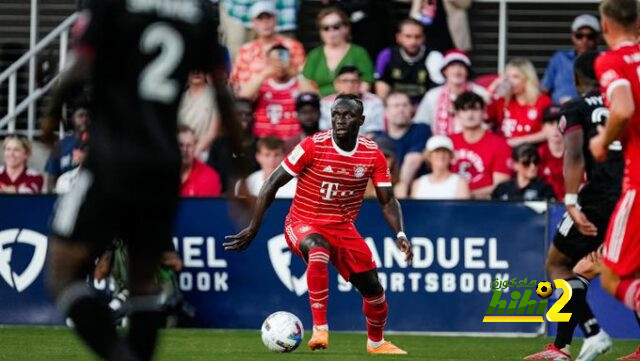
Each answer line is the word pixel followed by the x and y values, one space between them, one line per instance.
pixel 444 136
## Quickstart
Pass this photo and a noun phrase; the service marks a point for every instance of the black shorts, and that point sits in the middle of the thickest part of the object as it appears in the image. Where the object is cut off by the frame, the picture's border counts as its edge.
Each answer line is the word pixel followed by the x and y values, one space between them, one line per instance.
pixel 94 214
pixel 574 244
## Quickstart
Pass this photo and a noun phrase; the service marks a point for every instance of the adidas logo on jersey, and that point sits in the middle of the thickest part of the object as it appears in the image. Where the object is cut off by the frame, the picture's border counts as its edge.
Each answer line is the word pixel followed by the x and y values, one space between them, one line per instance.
pixel 328 169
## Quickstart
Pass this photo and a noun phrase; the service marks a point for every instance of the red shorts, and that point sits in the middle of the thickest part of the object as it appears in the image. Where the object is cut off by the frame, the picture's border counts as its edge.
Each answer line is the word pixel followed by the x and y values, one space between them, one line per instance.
pixel 349 252
pixel 622 245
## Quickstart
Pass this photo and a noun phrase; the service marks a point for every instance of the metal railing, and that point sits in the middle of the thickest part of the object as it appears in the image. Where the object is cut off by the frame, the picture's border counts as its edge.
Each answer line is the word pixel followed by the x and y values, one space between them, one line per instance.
pixel 14 108
pixel 503 19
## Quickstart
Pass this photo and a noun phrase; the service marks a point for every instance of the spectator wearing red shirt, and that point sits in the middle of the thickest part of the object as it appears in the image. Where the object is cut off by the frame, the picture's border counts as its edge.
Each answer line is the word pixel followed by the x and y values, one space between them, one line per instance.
pixel 550 169
pixel 198 179
pixel 15 177
pixel 518 104
pixel 275 90
pixel 481 157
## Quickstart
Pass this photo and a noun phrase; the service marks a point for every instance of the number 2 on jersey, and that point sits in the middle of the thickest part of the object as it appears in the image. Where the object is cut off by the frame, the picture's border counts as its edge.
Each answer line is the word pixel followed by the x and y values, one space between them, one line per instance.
pixel 155 83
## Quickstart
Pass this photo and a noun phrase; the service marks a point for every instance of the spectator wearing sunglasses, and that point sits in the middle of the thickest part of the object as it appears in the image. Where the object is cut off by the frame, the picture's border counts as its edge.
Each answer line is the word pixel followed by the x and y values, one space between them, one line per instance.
pixel 558 78
pixel 525 186
pixel 336 50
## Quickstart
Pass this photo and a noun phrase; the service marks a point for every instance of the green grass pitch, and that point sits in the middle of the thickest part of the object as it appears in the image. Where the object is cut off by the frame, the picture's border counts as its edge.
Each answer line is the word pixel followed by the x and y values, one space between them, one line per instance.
pixel 53 344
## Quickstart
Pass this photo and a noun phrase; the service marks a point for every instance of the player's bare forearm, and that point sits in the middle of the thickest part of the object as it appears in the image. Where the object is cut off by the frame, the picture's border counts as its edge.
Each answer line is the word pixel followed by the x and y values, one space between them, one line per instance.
pixel 573 161
pixel 391 209
pixel 267 194
pixel 393 215
pixel 242 240
pixel 621 109
pixel 614 127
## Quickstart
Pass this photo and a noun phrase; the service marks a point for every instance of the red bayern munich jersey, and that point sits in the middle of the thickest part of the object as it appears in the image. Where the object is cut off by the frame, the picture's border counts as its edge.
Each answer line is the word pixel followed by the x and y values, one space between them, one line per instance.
pixel 621 67
pixel 276 110
pixel 29 181
pixel 551 170
pixel 476 162
pixel 331 181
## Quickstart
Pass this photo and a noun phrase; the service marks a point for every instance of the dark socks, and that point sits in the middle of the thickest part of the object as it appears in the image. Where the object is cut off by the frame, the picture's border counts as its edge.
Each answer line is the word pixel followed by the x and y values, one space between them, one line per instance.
pixel 92 318
pixel 145 319
pixel 581 314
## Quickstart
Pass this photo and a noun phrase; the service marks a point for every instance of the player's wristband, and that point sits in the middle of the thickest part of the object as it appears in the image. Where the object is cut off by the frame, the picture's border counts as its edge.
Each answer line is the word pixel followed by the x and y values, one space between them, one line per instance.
pixel 570 199
pixel 401 234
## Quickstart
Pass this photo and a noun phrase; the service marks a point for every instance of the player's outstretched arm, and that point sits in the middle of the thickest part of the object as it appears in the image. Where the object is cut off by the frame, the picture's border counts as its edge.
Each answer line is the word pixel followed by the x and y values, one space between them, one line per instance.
pixel 242 240
pixel 573 166
pixel 621 107
pixel 393 215
pixel 70 82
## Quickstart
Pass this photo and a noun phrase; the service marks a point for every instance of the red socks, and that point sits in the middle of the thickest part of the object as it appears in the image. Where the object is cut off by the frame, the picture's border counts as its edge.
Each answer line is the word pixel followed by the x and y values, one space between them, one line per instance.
pixel 628 292
pixel 318 284
pixel 375 310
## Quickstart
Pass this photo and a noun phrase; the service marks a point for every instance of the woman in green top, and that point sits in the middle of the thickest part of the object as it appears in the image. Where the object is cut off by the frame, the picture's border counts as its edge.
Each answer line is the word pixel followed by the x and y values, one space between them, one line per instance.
pixel 324 61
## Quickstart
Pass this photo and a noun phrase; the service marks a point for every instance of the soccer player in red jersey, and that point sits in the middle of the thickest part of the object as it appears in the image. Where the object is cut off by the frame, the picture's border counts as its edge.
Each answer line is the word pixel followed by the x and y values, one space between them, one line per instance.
pixel 333 168
pixel 618 72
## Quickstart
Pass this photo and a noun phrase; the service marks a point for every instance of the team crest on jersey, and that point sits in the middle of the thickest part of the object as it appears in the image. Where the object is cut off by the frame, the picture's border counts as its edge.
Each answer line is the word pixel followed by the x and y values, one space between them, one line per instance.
pixel 358 172
pixel 532 114
pixel 396 73
pixel 304 229
pixel 562 124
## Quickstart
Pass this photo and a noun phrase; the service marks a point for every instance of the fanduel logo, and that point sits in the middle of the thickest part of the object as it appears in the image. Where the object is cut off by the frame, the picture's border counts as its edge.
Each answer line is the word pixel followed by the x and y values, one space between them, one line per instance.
pixel 15 235
pixel 280 257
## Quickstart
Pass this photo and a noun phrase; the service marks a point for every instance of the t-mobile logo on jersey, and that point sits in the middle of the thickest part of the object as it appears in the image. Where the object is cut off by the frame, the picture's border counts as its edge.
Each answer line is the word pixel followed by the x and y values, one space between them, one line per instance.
pixel 329 189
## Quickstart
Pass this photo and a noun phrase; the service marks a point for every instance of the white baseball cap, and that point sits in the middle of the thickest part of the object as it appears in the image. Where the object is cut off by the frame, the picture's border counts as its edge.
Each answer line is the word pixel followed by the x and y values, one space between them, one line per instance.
pixel 587 20
pixel 439 142
pixel 261 7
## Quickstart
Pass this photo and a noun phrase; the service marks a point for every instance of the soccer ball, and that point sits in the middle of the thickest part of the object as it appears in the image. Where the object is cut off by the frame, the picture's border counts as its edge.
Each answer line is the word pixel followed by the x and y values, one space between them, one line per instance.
pixel 544 289
pixel 282 332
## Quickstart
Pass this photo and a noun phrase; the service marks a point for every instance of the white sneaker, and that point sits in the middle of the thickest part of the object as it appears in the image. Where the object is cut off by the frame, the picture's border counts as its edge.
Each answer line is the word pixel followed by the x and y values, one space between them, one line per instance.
pixel 594 346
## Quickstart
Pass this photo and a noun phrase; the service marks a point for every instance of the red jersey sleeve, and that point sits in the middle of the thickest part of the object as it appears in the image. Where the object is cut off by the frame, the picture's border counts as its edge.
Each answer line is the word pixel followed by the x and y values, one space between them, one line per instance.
pixel 300 157
pixel 502 156
pixel 381 176
pixel 608 71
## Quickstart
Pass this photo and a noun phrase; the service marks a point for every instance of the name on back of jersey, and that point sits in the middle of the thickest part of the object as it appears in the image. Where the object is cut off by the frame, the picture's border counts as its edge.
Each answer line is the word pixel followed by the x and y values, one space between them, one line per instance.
pixel 184 10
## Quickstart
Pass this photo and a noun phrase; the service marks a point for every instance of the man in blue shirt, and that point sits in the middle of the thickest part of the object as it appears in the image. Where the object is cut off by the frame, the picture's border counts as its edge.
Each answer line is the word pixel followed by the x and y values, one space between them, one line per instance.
pixel 558 78
pixel 61 158
pixel 408 139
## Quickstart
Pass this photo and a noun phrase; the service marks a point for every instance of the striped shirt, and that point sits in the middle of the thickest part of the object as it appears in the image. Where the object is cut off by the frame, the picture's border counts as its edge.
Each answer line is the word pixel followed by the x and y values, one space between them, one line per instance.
pixel 332 181
pixel 276 110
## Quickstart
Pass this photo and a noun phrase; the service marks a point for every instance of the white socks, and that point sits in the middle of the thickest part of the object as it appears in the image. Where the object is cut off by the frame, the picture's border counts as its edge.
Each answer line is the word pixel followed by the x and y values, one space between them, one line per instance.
pixel 375 344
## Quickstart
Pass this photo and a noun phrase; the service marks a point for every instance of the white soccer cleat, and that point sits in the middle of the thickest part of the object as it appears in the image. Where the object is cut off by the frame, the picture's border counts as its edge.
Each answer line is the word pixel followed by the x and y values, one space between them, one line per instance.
pixel 594 346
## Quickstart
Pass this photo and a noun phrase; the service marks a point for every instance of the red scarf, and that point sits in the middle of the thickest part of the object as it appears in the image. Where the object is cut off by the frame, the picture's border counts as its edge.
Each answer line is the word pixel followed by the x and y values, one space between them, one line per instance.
pixel 445 123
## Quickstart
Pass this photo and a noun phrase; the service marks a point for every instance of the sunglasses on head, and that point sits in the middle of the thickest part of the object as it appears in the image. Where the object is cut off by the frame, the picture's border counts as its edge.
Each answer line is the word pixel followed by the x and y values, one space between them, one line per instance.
pixel 335 26
pixel 589 35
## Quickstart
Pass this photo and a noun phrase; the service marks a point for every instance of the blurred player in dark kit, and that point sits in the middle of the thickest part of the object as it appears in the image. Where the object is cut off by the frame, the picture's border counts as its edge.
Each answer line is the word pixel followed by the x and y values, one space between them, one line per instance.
pixel 137 55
